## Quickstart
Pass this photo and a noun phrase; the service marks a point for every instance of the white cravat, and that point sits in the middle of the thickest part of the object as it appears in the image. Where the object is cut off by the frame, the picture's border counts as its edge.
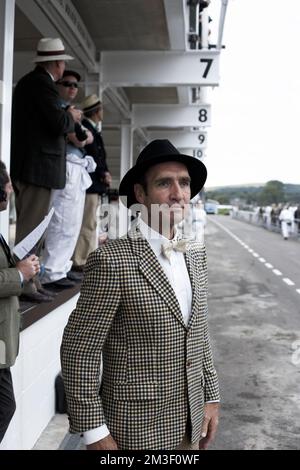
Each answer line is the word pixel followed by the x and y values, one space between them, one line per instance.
pixel 177 245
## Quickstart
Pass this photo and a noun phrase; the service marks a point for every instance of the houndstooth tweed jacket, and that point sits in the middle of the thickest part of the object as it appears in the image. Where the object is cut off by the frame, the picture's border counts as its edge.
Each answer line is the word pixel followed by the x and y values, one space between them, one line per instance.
pixel 156 371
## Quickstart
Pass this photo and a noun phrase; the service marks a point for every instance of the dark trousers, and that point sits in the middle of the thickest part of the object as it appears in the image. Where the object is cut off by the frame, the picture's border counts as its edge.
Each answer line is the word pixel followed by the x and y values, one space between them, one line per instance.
pixel 32 205
pixel 7 400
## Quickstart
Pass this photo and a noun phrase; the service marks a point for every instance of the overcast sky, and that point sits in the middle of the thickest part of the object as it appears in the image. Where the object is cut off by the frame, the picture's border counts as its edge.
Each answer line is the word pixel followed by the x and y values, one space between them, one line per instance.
pixel 255 132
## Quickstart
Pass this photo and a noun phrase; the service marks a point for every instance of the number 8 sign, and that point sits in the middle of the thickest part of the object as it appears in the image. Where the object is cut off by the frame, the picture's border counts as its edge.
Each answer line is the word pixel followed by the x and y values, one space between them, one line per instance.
pixel 204 115
pixel 202 139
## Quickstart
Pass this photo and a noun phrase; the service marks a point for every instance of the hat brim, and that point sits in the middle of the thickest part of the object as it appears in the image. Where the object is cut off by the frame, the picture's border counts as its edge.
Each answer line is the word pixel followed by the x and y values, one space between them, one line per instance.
pixel 91 108
pixel 197 171
pixel 50 58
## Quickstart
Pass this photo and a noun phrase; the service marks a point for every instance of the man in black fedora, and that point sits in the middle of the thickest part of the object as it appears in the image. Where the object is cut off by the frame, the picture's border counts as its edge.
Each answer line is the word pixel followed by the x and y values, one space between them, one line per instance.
pixel 143 305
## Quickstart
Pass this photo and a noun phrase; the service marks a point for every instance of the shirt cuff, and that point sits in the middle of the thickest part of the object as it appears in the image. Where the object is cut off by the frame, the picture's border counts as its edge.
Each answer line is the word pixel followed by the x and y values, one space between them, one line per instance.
pixel 94 435
pixel 213 401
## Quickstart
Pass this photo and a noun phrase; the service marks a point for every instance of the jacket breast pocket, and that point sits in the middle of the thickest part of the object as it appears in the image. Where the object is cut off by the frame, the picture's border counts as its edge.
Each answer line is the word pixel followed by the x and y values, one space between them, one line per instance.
pixel 136 391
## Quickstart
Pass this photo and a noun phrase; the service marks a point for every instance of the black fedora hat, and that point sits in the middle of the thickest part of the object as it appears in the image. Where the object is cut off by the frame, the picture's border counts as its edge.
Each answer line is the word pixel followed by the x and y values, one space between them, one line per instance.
pixel 160 151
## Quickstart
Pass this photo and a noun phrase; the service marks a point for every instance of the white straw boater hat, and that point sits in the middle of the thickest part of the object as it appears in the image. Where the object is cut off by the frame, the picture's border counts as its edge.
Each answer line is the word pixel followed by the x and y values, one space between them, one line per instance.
pixel 49 49
pixel 90 103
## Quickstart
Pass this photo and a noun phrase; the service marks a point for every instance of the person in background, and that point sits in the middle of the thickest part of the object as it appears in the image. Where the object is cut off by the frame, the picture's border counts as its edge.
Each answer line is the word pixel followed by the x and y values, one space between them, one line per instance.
pixel 109 218
pixel 87 241
pixel 143 309
pixel 199 220
pixel 12 278
pixel 38 154
pixel 297 219
pixel 286 218
pixel 64 227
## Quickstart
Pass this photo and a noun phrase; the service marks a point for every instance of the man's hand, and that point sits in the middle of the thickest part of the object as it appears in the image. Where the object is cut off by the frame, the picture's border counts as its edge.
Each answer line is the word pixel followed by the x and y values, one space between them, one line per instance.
pixel 108 443
pixel 75 113
pixel 29 267
pixel 90 138
pixel 209 425
pixel 107 178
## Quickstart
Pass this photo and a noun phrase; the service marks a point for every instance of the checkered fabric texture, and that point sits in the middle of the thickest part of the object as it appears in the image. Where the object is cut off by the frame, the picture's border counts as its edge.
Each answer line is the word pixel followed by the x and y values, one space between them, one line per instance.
pixel 156 371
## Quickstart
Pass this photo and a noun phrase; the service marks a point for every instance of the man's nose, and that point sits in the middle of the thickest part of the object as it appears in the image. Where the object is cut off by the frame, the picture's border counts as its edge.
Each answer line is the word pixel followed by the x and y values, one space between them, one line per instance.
pixel 176 191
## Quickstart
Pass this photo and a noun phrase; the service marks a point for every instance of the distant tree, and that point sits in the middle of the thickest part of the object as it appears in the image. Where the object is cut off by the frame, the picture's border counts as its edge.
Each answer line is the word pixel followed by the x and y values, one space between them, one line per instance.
pixel 223 199
pixel 218 196
pixel 273 192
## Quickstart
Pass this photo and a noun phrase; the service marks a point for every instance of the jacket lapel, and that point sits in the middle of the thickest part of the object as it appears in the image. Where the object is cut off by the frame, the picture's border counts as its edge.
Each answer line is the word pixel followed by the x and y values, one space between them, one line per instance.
pixel 197 278
pixel 6 250
pixel 193 279
pixel 150 268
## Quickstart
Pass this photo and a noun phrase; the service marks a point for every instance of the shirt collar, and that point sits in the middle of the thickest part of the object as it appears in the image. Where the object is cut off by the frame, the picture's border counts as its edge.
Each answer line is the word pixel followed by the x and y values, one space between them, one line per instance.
pixel 50 75
pixel 154 238
pixel 94 124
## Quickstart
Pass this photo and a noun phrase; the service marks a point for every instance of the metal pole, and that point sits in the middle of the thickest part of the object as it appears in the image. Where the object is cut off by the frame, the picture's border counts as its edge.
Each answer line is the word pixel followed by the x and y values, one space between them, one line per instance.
pixel 204 29
pixel 221 23
pixel 7 23
pixel 126 164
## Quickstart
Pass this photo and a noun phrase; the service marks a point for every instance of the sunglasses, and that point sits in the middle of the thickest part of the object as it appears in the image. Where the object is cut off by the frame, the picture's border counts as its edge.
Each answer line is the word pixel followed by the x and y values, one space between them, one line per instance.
pixel 69 84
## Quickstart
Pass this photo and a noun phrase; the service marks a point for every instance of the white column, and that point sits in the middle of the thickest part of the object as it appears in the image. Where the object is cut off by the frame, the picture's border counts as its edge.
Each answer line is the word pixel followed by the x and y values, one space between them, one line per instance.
pixel 125 165
pixel 91 83
pixel 204 28
pixel 7 22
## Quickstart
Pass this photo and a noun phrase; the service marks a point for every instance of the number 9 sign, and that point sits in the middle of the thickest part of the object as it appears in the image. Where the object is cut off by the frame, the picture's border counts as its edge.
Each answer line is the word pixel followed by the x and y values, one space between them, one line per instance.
pixel 202 139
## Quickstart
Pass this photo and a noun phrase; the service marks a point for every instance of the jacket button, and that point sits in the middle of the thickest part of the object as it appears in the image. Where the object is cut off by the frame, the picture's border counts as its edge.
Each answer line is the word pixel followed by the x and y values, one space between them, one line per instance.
pixel 188 363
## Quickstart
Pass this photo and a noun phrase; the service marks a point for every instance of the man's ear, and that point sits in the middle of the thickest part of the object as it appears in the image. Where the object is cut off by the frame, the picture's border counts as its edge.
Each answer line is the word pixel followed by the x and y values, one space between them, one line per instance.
pixel 139 193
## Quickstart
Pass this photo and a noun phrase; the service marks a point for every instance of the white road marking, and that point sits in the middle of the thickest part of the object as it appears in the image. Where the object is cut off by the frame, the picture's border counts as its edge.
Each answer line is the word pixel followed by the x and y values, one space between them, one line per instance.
pixel 288 281
pixel 262 260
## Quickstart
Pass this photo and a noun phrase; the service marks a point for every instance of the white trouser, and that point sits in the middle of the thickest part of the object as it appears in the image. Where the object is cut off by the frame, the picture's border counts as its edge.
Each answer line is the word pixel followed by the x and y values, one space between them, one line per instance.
pixel 285 229
pixel 64 228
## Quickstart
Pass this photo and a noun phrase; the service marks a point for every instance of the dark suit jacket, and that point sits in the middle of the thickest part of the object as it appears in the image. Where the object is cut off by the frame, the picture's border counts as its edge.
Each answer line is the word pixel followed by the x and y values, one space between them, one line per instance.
pixel 97 151
pixel 39 125
pixel 10 288
pixel 156 370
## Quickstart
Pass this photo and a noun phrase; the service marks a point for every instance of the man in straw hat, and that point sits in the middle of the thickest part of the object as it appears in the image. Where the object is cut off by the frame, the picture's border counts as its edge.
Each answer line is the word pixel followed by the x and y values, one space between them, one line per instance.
pixel 101 180
pixel 39 126
pixel 143 305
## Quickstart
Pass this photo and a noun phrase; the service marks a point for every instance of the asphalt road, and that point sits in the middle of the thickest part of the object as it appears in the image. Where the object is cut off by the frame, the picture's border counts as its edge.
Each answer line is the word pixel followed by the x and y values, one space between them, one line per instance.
pixel 254 317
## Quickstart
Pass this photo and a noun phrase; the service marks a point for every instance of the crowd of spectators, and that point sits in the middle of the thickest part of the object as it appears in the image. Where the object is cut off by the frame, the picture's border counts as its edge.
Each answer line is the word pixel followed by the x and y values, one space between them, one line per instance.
pixel 58 160
pixel 282 217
